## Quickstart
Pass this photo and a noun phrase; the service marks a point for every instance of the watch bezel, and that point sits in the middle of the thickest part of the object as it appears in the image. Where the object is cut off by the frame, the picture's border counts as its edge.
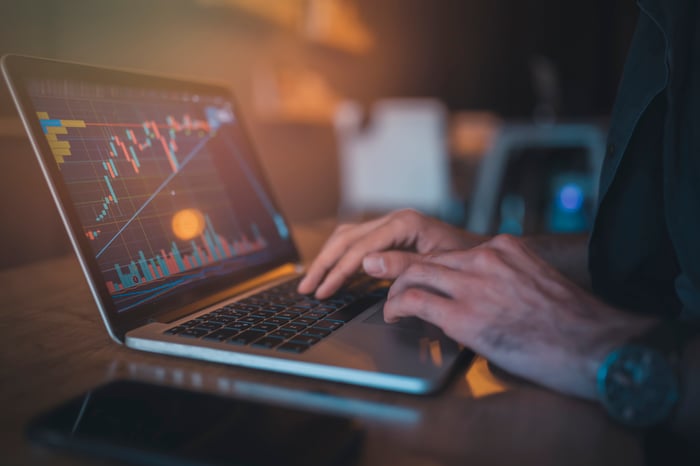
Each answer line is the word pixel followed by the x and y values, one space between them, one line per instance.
pixel 638 386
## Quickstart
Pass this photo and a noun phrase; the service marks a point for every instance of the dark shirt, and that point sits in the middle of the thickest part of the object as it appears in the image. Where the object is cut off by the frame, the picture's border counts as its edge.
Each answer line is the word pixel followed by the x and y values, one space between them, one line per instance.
pixel 644 251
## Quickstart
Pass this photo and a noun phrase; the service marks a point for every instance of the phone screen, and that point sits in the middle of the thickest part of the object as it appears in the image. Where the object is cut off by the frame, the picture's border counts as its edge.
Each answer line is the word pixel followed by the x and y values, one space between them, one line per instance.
pixel 151 424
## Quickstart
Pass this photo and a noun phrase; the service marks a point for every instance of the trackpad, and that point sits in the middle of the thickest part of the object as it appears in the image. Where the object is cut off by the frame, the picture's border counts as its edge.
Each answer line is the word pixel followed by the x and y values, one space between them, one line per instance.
pixel 408 323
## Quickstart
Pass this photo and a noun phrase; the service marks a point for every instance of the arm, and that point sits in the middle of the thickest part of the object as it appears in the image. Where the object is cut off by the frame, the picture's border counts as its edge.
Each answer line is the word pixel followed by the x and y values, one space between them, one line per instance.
pixel 506 303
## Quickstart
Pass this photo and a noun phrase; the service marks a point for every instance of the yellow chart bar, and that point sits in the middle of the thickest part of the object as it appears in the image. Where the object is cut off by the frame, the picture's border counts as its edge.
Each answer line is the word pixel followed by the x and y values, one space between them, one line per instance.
pixel 61 152
pixel 43 115
pixel 56 130
pixel 73 123
pixel 59 144
pixel 51 138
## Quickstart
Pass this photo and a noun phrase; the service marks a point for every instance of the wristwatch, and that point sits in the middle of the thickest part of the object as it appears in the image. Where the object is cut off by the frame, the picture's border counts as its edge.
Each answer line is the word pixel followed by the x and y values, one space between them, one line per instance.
pixel 638 382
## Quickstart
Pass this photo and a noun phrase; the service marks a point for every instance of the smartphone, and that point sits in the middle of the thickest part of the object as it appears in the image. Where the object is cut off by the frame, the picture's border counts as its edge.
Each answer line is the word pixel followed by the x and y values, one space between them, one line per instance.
pixel 156 425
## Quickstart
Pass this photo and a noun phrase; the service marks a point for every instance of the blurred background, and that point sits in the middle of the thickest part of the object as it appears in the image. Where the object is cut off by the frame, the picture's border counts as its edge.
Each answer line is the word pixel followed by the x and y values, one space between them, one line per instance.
pixel 497 107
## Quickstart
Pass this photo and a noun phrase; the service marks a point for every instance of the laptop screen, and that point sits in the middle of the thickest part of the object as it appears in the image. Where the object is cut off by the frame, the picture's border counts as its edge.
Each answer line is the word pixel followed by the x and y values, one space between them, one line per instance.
pixel 163 182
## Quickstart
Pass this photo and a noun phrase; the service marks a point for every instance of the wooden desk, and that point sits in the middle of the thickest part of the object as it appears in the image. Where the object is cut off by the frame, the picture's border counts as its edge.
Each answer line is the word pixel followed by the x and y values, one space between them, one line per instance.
pixel 54 346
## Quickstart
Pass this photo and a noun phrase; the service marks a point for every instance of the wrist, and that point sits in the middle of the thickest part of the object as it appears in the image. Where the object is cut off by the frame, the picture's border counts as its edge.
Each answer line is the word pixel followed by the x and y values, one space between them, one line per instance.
pixel 637 381
pixel 616 334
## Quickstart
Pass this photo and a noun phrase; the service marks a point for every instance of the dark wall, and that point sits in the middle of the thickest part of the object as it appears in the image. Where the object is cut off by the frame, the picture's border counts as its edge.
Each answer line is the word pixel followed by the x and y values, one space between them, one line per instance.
pixel 472 54
pixel 476 54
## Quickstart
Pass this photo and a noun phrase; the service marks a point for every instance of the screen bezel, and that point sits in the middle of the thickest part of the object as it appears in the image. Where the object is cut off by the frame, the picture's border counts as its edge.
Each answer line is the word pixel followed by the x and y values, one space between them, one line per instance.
pixel 18 71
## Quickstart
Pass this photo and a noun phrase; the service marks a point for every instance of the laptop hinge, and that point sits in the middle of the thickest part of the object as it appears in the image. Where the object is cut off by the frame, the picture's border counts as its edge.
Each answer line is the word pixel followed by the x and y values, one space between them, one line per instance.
pixel 239 288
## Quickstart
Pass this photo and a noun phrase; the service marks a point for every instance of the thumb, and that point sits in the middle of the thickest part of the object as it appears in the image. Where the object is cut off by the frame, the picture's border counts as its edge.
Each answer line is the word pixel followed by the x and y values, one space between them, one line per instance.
pixel 389 264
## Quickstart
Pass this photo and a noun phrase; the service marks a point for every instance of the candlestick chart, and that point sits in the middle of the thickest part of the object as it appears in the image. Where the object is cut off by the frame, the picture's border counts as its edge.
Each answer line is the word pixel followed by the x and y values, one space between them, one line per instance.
pixel 164 190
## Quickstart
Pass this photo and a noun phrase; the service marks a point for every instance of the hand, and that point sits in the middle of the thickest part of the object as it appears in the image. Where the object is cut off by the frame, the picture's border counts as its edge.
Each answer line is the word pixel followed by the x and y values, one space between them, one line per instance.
pixel 507 304
pixel 345 250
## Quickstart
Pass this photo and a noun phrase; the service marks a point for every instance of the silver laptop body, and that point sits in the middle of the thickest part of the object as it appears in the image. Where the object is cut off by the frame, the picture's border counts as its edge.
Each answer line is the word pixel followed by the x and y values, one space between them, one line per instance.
pixel 171 218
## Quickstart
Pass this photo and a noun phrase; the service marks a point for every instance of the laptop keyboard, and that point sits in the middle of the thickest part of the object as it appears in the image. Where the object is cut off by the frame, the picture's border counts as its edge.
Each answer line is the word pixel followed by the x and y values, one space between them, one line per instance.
pixel 281 319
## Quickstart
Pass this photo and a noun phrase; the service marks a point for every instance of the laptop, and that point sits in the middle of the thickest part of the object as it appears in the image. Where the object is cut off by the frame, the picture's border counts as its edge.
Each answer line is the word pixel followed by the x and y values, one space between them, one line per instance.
pixel 183 246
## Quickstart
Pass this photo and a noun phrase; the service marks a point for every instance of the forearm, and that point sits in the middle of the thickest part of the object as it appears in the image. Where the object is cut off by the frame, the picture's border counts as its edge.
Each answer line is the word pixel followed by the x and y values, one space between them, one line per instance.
pixel 567 253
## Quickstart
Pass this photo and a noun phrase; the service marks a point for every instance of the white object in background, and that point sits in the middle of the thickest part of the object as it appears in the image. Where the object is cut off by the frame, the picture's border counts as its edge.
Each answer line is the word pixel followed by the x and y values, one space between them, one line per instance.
pixel 399 160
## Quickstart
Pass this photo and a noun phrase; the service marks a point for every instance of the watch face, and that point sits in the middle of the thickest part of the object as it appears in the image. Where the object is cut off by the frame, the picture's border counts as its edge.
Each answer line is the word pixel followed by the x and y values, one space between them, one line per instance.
pixel 637 386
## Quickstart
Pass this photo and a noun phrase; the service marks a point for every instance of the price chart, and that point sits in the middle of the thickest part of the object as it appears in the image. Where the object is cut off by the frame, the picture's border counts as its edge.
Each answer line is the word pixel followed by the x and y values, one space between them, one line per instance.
pixel 162 182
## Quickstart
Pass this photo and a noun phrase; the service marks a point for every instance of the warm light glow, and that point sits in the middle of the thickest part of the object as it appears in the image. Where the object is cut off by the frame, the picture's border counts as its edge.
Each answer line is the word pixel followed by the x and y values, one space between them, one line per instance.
pixel 188 224
pixel 481 381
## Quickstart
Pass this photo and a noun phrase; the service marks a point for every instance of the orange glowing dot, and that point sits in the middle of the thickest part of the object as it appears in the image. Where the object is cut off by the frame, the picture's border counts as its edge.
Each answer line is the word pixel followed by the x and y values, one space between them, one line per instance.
pixel 188 224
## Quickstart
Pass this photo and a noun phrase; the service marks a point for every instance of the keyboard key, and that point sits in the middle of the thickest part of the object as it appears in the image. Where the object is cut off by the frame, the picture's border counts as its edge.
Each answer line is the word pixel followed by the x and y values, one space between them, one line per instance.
pixel 299 309
pixel 328 324
pixel 209 326
pixel 253 300
pixel 292 348
pixel 193 333
pixel 175 330
pixel 284 302
pixel 277 321
pixel 316 314
pixel 301 306
pixel 268 342
pixel 263 314
pixel 304 340
pixel 221 335
pixel 305 321
pixel 238 326
pixel 223 320
pixel 250 319
pixel 246 337
pixel 245 307
pixel 283 333
pixel 274 307
pixel 192 323
pixel 265 327
pixel 330 307
pixel 296 327
pixel 288 314
pixel 316 332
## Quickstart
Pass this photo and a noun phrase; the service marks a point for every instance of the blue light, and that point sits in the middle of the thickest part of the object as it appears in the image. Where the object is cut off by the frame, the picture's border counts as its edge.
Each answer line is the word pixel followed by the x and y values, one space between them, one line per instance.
pixel 571 197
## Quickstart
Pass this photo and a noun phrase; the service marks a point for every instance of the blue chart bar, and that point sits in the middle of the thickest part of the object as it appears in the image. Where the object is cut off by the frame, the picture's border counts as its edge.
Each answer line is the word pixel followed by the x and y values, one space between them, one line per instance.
pixel 111 190
pixel 111 162
pixel 133 154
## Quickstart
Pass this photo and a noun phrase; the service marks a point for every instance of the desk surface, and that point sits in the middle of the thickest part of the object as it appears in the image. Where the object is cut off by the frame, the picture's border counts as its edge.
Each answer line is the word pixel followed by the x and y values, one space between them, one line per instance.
pixel 54 346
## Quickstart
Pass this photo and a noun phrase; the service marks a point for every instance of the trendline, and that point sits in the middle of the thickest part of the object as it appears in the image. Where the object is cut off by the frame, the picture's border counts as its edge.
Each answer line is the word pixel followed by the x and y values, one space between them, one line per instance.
pixel 185 161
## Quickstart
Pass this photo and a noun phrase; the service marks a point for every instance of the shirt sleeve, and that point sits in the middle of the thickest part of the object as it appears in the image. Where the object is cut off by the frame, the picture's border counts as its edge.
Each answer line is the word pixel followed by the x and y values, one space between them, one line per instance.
pixel 689 294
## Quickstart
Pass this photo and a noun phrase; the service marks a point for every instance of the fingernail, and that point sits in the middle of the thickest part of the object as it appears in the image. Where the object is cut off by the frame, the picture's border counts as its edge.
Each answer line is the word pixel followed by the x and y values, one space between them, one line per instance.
pixel 374 265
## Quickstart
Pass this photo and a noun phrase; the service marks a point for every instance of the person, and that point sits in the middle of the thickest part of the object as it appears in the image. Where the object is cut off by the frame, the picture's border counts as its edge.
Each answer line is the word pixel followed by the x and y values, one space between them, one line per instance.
pixel 611 317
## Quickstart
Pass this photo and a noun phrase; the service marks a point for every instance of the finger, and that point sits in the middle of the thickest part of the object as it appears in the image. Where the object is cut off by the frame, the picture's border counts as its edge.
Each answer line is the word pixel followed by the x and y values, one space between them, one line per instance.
pixel 387 235
pixel 421 303
pixel 389 264
pixel 332 250
pixel 437 278
pixel 453 259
